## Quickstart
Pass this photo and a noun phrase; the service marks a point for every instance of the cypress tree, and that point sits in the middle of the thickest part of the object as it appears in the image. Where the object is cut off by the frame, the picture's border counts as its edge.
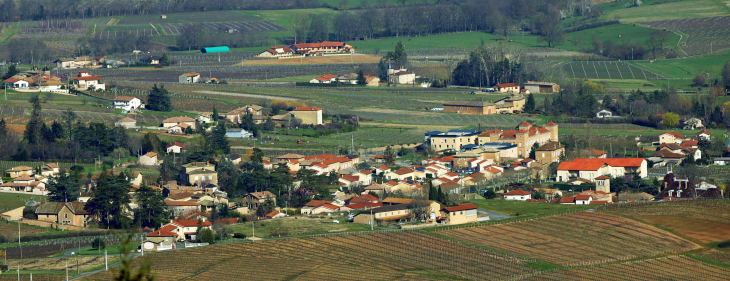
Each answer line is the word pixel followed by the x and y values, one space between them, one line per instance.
pixel 530 103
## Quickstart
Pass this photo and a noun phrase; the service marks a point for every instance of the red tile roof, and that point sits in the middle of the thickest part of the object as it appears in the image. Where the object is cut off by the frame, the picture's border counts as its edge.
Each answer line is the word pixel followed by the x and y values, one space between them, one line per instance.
pixel 272 214
pixel 181 203
pixel 675 134
pixel 191 223
pixel 705 131
pixel 551 124
pixel 176 144
pixel 350 178
pixel 583 197
pixel 582 164
pixel 604 177
pixel 570 199
pixel 505 85
pixel 596 202
pixel 329 206
pixel 517 192
pixel 163 232
pixel 87 78
pixel 317 203
pixel 462 207
pixel 525 124
pixel 403 171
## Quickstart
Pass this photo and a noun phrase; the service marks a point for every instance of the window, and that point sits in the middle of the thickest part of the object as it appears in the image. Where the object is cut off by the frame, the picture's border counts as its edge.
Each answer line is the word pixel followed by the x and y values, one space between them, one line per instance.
pixel 65 216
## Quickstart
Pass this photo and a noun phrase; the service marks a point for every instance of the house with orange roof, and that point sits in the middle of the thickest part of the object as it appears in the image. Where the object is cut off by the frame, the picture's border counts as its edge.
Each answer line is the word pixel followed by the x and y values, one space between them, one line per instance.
pixel 461 214
pixel 86 80
pixel 349 180
pixel 704 134
pixel 324 79
pixel 590 169
pixel 178 208
pixel 149 159
pixel 508 87
pixel 185 229
pixel 382 170
pixel 671 137
pixel 307 209
pixel 175 147
pixel 325 208
pixel 255 199
pixel 308 115
pixel 16 83
pixel 550 152
pixel 400 174
pixel 276 52
pixel 275 215
pixel 518 195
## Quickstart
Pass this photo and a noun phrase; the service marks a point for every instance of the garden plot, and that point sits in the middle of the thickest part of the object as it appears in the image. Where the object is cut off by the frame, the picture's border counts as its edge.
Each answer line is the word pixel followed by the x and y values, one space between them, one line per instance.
pixel 605 70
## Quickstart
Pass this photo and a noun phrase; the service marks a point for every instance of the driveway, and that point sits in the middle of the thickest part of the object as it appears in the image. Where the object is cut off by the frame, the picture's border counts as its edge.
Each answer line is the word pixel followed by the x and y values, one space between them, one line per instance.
pixel 494 216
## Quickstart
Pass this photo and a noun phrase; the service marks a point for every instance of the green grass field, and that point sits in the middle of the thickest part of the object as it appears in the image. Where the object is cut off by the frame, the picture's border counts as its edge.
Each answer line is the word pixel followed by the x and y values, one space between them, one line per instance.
pixel 291 226
pixel 665 11
pixel 686 68
pixel 10 201
pixel 465 40
pixel 513 208
pixel 618 33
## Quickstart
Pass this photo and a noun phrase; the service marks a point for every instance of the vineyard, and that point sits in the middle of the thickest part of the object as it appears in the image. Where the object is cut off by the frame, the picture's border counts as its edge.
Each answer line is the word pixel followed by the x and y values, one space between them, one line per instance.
pixel 222 27
pixel 84 263
pixel 667 268
pixel 700 35
pixel 716 255
pixel 48 248
pixel 384 136
pixel 605 70
pixel 374 256
pixel 712 210
pixel 490 121
pixel 575 239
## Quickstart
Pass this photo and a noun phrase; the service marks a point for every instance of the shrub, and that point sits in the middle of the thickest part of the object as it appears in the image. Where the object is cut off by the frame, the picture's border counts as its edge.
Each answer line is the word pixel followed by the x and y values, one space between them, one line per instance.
pixel 98 244
pixel 206 236
pixel 239 235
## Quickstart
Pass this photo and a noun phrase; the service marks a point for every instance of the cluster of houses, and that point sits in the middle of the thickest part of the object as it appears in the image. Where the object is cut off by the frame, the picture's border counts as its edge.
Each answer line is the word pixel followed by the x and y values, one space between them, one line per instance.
pixel 307 49
pixel 371 80
pixel 507 105
pixel 79 62
pixel 672 148
pixel 29 180
pixel 45 82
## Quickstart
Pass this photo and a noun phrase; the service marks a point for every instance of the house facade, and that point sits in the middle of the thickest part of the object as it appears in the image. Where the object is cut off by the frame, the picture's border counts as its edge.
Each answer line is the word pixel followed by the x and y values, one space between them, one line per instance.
pixel 71 213
pixel 464 213
pixel 550 152
pixel 127 103
pixel 590 169
pixel 189 78
pixel 169 122
pixel 86 80
pixel 308 115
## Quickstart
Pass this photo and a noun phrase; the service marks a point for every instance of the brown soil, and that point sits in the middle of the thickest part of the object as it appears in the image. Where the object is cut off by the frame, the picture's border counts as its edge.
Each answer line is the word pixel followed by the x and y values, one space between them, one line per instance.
pixel 699 230
pixel 315 60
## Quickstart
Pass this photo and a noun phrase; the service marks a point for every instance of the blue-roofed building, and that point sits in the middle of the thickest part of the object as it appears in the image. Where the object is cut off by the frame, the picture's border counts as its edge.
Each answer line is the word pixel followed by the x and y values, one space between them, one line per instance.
pixel 428 135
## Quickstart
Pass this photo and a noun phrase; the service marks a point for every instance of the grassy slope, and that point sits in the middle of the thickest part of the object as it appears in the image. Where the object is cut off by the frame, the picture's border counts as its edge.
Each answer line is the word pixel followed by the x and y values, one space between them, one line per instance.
pixel 665 11
pixel 524 208
pixel 12 200
pixel 678 68
pixel 465 40
pixel 628 33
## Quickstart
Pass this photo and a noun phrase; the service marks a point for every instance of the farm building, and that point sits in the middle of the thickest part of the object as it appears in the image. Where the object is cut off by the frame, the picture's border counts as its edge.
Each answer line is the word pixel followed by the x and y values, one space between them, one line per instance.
pixel 210 50
pixel 189 78
pixel 169 122
pixel 237 133
pixel 309 115
pixel 276 52
pixel 508 87
pixel 324 79
pixel 470 107
pixel 324 47
pixel 149 159
pixel 126 122
pixel 542 87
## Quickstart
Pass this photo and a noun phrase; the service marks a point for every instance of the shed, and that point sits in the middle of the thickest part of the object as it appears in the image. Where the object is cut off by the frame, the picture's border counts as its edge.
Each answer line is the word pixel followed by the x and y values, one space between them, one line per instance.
pixel 221 49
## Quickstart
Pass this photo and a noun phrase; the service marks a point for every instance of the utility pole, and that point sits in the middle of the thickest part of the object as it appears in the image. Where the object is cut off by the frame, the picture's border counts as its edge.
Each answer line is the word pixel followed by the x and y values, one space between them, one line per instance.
pixel 19 246
pixel 253 224
pixel 372 219
pixel 106 261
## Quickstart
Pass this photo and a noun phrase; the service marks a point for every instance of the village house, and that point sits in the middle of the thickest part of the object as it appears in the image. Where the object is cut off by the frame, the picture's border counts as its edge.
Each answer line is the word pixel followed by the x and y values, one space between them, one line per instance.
pixel 518 195
pixel 464 213
pixel 255 199
pixel 400 212
pixel 308 115
pixel 323 79
pixel 27 184
pixel 159 240
pixel 676 187
pixel 149 159
pixel 184 229
pixel 83 61
pixel 400 75
pixel 71 213
pixel 508 88
pixel 550 152
pixel 275 215
pixel 590 169
pixel 178 208
pixel 16 83
pixel 704 134
pixel 51 170
pixel 20 171
pixel 127 103
pixel 86 81
pixel 175 147
pixel 178 129
pixel 400 174
pixel 189 78
pixel 313 49
pixel 169 122
pixel 126 122
pixel 196 173
pixel 671 137
pixel 276 52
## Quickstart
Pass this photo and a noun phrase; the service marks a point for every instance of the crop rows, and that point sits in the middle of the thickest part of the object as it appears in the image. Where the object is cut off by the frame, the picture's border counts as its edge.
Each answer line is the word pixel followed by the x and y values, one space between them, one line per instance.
pixel 576 239
pixel 246 26
pixel 605 70
pixel 714 210
pixel 668 268
pixel 488 121
pixel 716 255
pixel 58 264
pixel 50 247
pixel 362 256
pixel 705 34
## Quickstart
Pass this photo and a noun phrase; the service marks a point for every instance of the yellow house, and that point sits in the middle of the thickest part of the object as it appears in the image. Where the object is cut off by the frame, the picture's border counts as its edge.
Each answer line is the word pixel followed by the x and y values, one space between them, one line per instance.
pixel 464 213
pixel 198 172
pixel 20 171
pixel 524 137
pixel 169 122
pixel 550 152
pixel 71 213
pixel 671 137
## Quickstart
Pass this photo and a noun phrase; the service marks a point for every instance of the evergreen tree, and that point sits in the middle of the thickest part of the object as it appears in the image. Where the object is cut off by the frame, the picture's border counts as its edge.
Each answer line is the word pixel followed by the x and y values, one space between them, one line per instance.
pixel 63 188
pixel 257 155
pixel 215 114
pixel 57 129
pixel 33 130
pixel 361 78
pixel 490 194
pixel 159 99
pixel 725 74
pixel 399 56
pixel 530 103
pixel 219 141
pixel 269 125
pixel 3 128
pixel 165 60
pixel 12 71
pixel 110 200
pixel 533 151
pixel 151 208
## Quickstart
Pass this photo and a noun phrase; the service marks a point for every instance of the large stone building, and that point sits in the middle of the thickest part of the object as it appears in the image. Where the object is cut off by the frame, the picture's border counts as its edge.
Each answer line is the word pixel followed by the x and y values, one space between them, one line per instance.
pixel 452 140
pixel 590 169
pixel 542 87
pixel 550 152
pixel 524 137
pixel 470 107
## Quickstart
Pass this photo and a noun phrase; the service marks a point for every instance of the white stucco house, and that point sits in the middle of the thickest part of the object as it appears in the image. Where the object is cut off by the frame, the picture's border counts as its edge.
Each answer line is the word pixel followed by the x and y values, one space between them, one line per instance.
pixel 518 195
pixel 127 103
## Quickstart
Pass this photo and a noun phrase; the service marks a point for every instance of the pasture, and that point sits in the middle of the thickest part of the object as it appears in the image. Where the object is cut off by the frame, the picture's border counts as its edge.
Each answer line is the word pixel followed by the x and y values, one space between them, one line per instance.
pixel 618 33
pixel 665 10
pixel 9 201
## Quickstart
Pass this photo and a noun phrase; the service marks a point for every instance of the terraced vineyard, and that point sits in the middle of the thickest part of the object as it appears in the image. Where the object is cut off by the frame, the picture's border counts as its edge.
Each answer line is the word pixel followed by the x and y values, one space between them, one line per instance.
pixel 669 268
pixel 371 256
pixel 577 238
pixel 713 210
pixel 605 70
pixel 699 35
